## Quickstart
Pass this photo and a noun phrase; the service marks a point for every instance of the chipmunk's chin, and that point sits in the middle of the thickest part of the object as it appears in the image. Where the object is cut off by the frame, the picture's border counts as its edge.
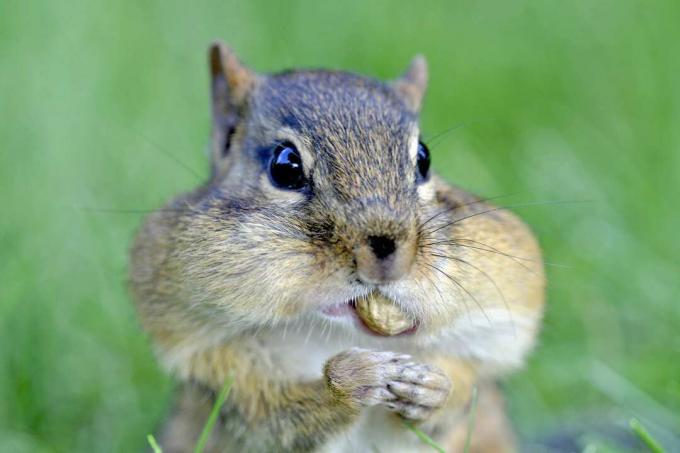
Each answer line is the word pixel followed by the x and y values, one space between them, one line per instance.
pixel 346 313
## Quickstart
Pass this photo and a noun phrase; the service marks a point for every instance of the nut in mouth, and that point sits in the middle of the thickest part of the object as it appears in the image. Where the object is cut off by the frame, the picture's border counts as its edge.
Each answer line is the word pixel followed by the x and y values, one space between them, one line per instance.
pixel 382 316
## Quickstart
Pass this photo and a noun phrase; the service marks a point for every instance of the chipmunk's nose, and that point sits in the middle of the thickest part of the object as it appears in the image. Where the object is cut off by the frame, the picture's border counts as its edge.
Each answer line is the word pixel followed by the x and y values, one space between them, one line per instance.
pixel 382 259
pixel 382 246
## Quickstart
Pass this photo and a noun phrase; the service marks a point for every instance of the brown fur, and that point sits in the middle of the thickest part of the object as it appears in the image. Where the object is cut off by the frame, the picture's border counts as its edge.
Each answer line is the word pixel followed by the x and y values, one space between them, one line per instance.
pixel 218 273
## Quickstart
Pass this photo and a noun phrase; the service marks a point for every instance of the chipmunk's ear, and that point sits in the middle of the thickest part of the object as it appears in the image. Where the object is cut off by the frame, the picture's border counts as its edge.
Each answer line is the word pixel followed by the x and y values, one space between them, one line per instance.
pixel 413 83
pixel 231 83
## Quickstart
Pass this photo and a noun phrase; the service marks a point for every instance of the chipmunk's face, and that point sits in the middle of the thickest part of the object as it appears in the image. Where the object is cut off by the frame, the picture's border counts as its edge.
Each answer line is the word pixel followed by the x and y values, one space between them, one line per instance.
pixel 320 188
pixel 343 153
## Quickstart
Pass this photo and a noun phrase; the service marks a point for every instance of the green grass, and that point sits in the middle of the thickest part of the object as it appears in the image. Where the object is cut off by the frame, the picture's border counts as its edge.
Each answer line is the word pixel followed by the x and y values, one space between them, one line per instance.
pixel 423 437
pixel 556 101
pixel 645 437
pixel 471 420
pixel 212 418
pixel 153 444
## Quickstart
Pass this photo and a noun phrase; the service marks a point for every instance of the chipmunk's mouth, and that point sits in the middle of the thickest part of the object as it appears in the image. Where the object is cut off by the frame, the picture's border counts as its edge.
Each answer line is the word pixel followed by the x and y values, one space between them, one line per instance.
pixel 358 316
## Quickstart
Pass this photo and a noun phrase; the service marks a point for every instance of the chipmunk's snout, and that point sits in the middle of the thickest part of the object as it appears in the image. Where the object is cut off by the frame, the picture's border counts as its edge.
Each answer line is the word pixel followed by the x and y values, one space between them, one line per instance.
pixel 382 259
pixel 379 233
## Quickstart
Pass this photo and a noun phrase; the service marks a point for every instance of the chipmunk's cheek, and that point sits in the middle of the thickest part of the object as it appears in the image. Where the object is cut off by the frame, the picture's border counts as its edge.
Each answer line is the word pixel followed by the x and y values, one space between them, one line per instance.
pixel 289 310
pixel 423 302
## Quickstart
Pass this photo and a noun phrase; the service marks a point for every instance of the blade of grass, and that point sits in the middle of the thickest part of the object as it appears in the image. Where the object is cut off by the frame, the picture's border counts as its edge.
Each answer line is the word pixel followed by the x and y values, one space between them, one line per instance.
pixel 424 437
pixel 471 419
pixel 212 418
pixel 154 445
pixel 622 391
pixel 645 437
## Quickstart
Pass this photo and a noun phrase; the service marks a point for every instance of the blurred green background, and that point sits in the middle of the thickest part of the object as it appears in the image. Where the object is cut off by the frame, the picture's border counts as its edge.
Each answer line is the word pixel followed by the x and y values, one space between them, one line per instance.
pixel 572 101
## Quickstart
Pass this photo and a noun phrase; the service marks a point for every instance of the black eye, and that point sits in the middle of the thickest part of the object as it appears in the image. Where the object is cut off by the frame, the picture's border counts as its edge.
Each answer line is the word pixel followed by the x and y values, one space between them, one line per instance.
pixel 423 162
pixel 285 168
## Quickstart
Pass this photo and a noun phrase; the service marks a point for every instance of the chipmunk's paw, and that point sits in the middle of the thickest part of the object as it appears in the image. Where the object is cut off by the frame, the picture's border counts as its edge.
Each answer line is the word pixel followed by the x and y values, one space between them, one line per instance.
pixel 420 390
pixel 389 379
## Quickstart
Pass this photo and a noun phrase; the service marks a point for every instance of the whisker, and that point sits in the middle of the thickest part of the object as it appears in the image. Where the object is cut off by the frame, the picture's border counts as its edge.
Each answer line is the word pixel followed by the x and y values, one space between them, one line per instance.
pixel 126 211
pixel 501 208
pixel 491 249
pixel 434 140
pixel 168 154
pixel 470 203
pixel 457 241
pixel 434 284
pixel 457 283
pixel 515 259
pixel 488 277
pixel 438 290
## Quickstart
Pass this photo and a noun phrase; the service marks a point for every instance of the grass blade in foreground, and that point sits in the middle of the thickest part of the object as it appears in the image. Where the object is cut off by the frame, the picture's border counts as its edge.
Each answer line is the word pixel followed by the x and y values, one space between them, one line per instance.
pixel 471 420
pixel 207 429
pixel 154 445
pixel 424 437
pixel 645 437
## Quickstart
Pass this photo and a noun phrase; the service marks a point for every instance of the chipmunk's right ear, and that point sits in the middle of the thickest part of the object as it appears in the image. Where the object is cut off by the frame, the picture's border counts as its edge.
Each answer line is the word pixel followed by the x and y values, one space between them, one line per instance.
pixel 413 83
pixel 232 83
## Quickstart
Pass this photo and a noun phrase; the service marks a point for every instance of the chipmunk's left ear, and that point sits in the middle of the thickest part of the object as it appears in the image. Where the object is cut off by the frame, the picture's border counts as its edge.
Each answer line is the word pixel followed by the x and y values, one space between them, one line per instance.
pixel 413 83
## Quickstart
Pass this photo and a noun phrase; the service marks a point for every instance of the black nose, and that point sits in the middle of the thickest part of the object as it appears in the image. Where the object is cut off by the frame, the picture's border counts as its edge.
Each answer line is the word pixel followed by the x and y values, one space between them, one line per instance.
pixel 382 246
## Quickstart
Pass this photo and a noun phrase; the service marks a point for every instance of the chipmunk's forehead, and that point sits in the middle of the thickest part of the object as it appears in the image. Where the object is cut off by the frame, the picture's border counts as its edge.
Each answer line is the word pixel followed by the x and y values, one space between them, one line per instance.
pixel 333 102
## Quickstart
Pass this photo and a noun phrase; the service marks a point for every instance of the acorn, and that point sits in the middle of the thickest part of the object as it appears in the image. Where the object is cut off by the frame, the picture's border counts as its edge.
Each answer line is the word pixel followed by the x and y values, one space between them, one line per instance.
pixel 381 315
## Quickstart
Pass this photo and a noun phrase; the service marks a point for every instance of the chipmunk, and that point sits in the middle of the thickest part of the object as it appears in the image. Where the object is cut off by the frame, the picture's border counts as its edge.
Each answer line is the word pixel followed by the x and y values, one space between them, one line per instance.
pixel 320 196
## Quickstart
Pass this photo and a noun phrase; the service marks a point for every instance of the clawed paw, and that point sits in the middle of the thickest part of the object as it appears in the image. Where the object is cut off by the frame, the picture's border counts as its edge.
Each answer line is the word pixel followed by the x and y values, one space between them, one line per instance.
pixel 392 380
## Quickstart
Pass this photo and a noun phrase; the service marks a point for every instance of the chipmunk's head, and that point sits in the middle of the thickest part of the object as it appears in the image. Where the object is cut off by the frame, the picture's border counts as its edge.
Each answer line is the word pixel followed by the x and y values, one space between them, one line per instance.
pixel 321 211
pixel 320 182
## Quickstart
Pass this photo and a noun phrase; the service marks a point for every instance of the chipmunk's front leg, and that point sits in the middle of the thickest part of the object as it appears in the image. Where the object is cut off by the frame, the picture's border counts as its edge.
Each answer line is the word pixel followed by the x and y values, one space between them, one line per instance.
pixel 266 412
